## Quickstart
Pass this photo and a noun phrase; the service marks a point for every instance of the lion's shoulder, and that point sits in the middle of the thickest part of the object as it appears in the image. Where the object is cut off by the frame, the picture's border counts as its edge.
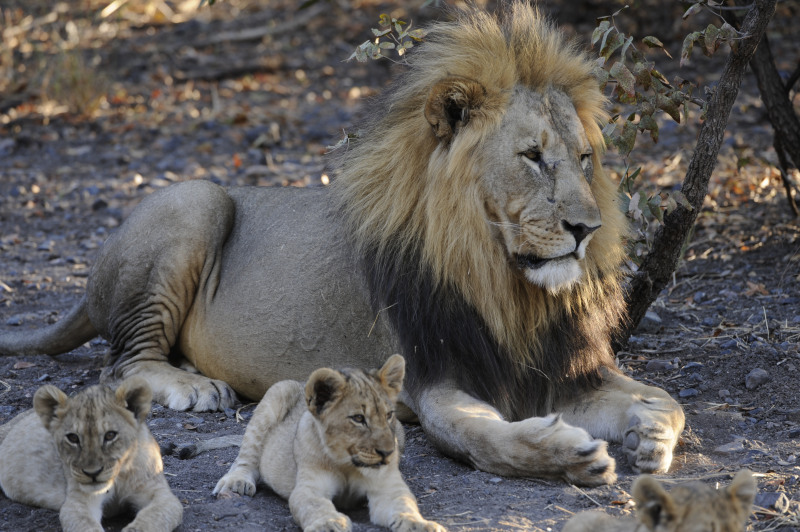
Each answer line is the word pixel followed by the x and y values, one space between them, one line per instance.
pixel 690 507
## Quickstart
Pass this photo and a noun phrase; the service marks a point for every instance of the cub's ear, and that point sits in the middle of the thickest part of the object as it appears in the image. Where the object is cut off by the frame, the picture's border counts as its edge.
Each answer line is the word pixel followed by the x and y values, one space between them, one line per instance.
pixel 743 490
pixel 47 401
pixel 136 395
pixel 654 505
pixel 324 386
pixel 392 374
pixel 449 104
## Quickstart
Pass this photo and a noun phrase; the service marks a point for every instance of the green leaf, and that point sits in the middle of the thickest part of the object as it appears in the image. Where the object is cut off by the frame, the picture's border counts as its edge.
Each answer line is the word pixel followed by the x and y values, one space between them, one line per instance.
pixel 654 204
pixel 608 49
pixel 381 33
pixel 692 10
pixel 681 199
pixel 417 34
pixel 605 38
pixel 625 47
pixel 669 106
pixel 648 123
pixel 624 78
pixel 652 42
pixel 688 44
pixel 386 46
pixel 598 31
pixel 625 141
pixel 384 20
pixel 710 40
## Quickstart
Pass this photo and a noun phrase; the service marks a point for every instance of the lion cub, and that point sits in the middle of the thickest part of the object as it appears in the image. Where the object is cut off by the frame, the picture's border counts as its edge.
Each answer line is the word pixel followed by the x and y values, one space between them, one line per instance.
pixel 89 455
pixel 331 442
pixel 690 507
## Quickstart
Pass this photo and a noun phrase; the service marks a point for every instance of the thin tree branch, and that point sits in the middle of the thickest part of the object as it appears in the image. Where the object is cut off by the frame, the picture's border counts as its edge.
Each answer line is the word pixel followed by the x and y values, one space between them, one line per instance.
pixel 657 268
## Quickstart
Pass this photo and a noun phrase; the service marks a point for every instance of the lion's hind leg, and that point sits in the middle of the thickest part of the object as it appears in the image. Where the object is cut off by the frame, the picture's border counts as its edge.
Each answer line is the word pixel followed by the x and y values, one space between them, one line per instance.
pixel 160 269
pixel 275 407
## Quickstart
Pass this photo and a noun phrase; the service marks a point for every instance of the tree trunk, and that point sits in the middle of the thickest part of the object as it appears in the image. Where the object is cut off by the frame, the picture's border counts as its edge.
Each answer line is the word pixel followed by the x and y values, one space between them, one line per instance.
pixel 658 266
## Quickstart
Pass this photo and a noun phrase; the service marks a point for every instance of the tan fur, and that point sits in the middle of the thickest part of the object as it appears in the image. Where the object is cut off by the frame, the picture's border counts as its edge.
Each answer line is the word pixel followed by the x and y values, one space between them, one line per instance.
pixel 690 507
pixel 333 441
pixel 87 456
pixel 422 187
pixel 451 233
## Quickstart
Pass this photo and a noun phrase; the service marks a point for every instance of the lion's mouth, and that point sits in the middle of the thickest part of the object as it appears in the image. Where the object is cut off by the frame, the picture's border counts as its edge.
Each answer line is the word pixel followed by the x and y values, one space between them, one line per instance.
pixel 534 262
pixel 361 463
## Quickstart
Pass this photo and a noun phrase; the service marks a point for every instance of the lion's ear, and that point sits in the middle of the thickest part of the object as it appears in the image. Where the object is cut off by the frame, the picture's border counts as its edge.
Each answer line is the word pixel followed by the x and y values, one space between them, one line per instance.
pixel 323 387
pixel 449 104
pixel 136 395
pixel 653 504
pixel 392 374
pixel 46 402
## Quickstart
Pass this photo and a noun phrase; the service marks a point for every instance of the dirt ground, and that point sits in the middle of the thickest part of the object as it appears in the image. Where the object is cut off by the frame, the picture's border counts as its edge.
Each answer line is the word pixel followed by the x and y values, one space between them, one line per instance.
pixel 192 96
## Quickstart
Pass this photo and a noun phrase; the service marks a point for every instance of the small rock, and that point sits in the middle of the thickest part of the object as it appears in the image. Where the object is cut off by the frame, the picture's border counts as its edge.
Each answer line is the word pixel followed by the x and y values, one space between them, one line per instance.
pixel 773 500
pixel 651 323
pixel 688 392
pixel 47 245
pixel 732 447
pixel 659 365
pixel 730 344
pixel 496 480
pixel 723 393
pixel 691 366
pixel 794 433
pixel 756 378
pixel 699 296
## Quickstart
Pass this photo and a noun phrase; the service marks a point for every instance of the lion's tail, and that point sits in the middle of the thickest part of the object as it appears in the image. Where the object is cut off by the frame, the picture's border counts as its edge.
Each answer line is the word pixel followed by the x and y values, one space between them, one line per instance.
pixel 71 331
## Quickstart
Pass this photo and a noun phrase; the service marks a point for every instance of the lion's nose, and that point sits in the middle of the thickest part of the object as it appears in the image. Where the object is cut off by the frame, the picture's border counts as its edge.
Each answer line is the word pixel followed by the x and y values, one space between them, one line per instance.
pixel 93 474
pixel 579 230
pixel 384 453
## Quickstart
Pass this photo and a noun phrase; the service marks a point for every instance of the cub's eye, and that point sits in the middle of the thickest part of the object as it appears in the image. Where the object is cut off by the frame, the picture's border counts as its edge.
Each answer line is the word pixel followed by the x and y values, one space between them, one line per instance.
pixel 110 436
pixel 73 438
pixel 390 415
pixel 358 418
pixel 532 154
pixel 586 158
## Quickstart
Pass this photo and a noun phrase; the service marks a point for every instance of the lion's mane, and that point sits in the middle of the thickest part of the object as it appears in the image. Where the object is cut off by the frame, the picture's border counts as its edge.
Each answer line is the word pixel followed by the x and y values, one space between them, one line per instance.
pixel 414 210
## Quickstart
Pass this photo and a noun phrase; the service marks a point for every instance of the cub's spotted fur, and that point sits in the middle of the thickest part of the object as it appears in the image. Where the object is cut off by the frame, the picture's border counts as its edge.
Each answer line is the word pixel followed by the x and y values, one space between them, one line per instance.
pixel 332 442
pixel 89 455
pixel 690 507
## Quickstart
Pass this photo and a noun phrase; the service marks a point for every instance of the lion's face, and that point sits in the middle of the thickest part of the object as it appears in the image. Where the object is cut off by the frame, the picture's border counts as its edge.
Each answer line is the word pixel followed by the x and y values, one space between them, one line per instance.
pixel 96 431
pixel 539 167
pixel 354 412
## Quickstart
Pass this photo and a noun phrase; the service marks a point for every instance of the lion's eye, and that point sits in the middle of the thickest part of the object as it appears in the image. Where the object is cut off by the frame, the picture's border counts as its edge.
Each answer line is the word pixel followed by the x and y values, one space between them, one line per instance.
pixel 532 154
pixel 586 158
pixel 358 418
pixel 110 436
pixel 73 438
pixel 390 415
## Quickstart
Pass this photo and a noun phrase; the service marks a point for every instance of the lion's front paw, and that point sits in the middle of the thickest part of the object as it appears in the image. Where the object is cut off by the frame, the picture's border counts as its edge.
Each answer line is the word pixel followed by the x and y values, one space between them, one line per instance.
pixel 550 447
pixel 235 482
pixel 340 523
pixel 590 464
pixel 653 430
pixel 415 523
pixel 197 393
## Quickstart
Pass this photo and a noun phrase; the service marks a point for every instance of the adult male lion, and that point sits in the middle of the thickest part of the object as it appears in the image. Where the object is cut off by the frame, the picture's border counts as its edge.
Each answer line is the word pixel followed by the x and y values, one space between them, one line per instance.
pixel 463 230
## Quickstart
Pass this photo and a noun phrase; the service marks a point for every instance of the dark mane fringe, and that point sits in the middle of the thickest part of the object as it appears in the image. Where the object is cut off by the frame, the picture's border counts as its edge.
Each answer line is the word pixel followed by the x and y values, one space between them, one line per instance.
pixel 444 338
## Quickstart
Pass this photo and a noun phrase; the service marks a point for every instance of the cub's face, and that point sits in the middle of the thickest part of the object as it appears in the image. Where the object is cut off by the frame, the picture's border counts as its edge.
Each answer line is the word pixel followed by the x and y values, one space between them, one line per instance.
pixel 95 432
pixel 695 507
pixel 537 187
pixel 354 412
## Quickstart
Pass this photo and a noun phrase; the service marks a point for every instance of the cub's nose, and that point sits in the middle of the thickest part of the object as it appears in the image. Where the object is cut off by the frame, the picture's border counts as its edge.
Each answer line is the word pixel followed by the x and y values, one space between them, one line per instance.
pixel 93 474
pixel 579 231
pixel 384 453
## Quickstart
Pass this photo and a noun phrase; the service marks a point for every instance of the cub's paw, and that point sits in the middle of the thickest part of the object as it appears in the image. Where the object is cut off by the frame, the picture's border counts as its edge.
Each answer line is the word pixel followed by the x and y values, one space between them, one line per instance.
pixel 415 523
pixel 340 523
pixel 653 430
pixel 235 482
